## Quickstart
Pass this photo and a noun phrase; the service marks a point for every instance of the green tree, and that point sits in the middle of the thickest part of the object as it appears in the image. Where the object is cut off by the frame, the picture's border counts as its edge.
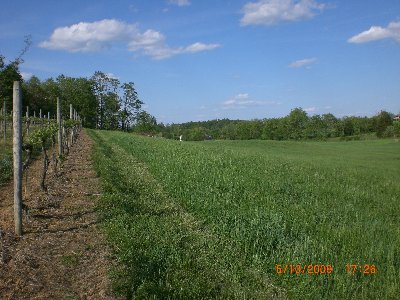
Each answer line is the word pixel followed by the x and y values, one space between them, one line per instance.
pixel 105 89
pixel 146 123
pixel 229 131
pixel 8 74
pixel 348 126
pixel 34 95
pixel 78 92
pixel 297 123
pixel 396 126
pixel 130 106
pixel 195 134
pixel 384 120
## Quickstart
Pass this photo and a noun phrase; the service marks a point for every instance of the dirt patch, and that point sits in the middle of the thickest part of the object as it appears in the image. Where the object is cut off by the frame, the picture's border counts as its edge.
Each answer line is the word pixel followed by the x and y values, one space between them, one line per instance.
pixel 62 254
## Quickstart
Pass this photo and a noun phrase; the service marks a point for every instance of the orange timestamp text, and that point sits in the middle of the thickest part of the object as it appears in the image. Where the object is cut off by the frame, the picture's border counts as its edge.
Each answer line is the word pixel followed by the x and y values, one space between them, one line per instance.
pixel 306 269
pixel 365 269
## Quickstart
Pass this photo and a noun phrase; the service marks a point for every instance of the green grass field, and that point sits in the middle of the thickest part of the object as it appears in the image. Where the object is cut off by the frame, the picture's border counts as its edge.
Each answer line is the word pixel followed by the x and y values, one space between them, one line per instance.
pixel 212 219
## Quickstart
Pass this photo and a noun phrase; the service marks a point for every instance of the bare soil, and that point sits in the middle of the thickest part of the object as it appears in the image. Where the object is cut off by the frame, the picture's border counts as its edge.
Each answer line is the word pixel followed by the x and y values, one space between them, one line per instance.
pixel 62 254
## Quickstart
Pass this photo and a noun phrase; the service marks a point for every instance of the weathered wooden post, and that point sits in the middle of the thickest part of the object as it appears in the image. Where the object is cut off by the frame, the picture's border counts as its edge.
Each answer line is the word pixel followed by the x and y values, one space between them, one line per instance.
pixel 17 155
pixel 71 115
pixel 27 120
pixel 59 123
pixel 5 122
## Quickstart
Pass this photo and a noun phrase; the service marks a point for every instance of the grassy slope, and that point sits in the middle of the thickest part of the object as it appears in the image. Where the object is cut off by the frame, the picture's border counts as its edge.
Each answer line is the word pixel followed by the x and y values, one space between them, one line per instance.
pixel 213 218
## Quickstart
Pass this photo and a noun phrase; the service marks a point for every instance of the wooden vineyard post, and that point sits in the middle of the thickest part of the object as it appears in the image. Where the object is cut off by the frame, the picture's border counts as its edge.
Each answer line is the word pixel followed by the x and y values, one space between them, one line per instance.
pixel 27 121
pixel 4 122
pixel 71 114
pixel 17 155
pixel 59 124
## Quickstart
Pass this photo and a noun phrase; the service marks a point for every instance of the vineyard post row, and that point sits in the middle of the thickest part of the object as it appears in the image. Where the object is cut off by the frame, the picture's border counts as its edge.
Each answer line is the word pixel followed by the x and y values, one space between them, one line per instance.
pixel 38 137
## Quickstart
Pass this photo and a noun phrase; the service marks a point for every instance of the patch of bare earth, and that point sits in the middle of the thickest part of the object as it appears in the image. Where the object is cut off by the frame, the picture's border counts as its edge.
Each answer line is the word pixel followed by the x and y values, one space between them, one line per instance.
pixel 62 254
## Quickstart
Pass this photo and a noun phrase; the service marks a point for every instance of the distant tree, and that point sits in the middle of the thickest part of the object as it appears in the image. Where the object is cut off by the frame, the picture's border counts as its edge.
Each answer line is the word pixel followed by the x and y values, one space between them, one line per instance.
pixel 396 127
pixel 348 126
pixel 331 125
pixel 146 123
pixel 384 120
pixel 195 134
pixel 51 91
pixel 316 128
pixel 130 106
pixel 33 94
pixel 105 89
pixel 229 131
pixel 78 92
pixel 297 123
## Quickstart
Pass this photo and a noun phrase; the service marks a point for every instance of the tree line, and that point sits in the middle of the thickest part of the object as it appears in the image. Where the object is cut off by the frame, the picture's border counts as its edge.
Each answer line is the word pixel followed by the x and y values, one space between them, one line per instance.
pixel 103 102
pixel 297 125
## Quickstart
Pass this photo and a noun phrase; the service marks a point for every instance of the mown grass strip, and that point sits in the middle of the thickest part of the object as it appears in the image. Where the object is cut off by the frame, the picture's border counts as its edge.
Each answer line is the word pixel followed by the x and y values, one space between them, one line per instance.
pixel 161 250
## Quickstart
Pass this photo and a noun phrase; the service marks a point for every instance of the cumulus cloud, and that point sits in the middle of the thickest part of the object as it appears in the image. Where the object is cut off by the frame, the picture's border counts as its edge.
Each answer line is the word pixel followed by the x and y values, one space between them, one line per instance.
pixel 375 33
pixel 87 37
pixel 95 36
pixel 152 43
pixel 303 63
pixel 180 2
pixel 269 12
pixel 26 75
pixel 198 47
pixel 243 101
pixel 310 109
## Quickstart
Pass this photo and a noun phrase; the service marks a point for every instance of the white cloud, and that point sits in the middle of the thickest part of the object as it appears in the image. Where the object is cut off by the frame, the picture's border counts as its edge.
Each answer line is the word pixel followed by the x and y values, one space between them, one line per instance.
pixel 244 101
pixel 375 33
pixel 152 43
pixel 198 47
pixel 95 36
pixel 180 2
pixel 87 37
pixel 310 109
pixel 112 76
pixel 26 76
pixel 269 12
pixel 303 63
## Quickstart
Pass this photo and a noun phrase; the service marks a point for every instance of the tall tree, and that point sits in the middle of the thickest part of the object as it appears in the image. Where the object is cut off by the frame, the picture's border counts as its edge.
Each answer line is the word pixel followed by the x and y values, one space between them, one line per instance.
pixel 105 89
pixel 130 105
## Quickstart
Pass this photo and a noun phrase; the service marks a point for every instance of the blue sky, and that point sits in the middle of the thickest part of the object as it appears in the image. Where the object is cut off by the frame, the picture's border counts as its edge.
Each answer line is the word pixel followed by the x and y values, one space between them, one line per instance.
pixel 198 60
